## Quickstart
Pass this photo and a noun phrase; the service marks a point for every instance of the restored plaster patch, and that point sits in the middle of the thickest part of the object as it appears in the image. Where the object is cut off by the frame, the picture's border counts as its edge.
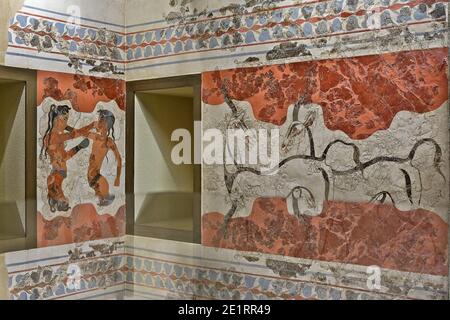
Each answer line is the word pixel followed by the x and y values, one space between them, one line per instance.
pixel 284 268
pixel 287 50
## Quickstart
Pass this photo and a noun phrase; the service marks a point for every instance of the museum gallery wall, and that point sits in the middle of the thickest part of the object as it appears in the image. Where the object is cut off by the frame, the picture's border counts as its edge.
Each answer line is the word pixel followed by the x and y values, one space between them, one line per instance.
pixel 358 91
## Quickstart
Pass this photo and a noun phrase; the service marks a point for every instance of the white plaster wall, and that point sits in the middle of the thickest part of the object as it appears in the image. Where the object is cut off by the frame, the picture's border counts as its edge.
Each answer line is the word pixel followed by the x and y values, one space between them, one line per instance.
pixel 7 10
pixel 106 16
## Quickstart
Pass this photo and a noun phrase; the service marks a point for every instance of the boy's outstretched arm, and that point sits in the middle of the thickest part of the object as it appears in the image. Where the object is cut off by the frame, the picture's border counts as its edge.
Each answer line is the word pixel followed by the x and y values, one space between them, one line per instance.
pixel 112 145
pixel 82 132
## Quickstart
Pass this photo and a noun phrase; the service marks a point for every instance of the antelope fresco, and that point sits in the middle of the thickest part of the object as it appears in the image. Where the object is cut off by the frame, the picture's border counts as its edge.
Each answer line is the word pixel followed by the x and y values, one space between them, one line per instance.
pixel 362 176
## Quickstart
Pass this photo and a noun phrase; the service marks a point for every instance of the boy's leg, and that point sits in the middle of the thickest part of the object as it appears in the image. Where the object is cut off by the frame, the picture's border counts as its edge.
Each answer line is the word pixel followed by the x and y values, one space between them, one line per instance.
pixel 56 198
pixel 105 199
pixel 103 187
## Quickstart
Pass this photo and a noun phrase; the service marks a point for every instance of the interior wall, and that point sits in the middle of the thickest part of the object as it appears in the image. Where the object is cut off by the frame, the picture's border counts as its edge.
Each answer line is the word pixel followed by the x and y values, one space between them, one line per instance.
pixel 157 116
pixel 83 39
pixel 74 36
pixel 138 270
pixel 321 65
pixel 60 262
pixel 262 44
pixel 12 157
pixel 187 37
pixel 8 9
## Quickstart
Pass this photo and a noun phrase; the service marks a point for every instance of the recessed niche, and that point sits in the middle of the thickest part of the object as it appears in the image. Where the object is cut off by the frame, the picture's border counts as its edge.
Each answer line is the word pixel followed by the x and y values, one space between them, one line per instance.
pixel 17 159
pixel 166 195
pixel 12 159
